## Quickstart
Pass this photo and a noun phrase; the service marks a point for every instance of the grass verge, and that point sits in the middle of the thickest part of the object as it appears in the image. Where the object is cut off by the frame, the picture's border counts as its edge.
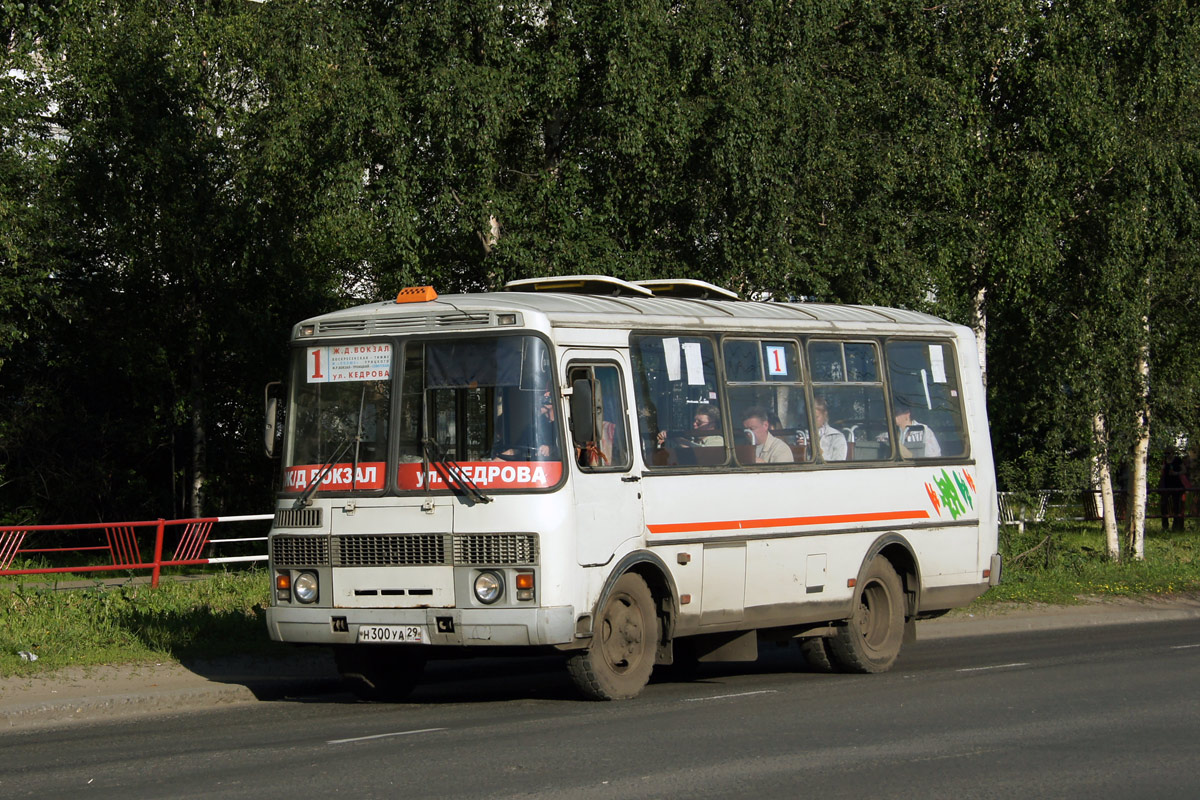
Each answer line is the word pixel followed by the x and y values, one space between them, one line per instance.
pixel 1058 563
pixel 214 616
pixel 223 614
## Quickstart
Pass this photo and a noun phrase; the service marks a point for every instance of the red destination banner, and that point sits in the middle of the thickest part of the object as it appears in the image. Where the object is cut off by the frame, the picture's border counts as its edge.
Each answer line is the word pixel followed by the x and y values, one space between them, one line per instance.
pixel 484 474
pixel 369 476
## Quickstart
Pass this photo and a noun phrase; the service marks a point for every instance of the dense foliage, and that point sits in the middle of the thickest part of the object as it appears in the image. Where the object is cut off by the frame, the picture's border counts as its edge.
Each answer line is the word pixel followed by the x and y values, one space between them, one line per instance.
pixel 180 181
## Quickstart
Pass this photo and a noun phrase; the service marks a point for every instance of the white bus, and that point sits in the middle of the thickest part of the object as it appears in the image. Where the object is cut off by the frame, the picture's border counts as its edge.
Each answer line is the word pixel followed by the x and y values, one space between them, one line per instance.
pixel 630 474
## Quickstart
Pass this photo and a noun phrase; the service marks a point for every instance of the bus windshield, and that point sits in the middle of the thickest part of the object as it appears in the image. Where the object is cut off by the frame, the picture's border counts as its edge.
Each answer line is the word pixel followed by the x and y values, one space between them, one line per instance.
pixel 483 408
pixel 487 405
pixel 338 421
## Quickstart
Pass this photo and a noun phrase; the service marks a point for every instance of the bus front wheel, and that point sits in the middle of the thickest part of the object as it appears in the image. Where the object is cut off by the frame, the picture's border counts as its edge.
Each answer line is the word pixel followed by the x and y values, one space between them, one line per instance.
pixel 870 640
pixel 383 673
pixel 618 661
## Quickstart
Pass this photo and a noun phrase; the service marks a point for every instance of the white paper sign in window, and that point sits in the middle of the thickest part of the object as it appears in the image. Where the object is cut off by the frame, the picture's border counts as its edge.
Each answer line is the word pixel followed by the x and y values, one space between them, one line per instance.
pixel 671 356
pixel 937 364
pixel 695 363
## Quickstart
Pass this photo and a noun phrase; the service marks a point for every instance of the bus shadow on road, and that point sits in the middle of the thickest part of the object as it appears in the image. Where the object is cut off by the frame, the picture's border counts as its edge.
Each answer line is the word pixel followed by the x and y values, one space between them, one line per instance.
pixel 497 680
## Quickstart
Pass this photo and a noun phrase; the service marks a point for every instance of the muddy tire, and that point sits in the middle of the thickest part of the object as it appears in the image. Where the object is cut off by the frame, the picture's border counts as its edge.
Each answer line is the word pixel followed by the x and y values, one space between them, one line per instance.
pixel 816 654
pixel 620 657
pixel 870 639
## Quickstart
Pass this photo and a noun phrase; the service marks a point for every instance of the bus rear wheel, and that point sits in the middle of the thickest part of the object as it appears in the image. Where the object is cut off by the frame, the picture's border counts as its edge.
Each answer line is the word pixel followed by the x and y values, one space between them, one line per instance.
pixel 618 661
pixel 383 674
pixel 870 640
pixel 817 655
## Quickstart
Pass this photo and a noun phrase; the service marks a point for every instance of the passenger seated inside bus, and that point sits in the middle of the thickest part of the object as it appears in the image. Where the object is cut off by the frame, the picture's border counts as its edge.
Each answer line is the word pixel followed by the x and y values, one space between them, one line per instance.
pixel 832 442
pixel 706 430
pixel 704 445
pixel 795 438
pixel 917 440
pixel 767 449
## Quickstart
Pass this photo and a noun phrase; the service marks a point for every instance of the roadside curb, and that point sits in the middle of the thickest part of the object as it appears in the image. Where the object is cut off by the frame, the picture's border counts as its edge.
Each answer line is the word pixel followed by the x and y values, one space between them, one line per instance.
pixel 83 708
pixel 82 694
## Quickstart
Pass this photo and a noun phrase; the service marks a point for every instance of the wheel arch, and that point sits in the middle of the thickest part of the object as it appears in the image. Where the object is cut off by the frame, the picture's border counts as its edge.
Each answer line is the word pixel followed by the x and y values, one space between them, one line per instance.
pixel 899 553
pixel 658 578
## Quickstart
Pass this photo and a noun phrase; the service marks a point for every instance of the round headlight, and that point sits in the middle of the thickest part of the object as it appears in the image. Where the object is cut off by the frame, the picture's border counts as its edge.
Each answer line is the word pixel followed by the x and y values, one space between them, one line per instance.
pixel 489 587
pixel 305 587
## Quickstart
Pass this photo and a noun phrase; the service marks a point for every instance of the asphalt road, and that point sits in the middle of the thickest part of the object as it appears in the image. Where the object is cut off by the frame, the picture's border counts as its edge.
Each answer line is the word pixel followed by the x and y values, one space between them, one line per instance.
pixel 1092 712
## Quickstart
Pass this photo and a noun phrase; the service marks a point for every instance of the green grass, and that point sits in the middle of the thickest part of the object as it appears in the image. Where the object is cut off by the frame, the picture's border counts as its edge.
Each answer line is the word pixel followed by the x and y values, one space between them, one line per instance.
pixel 1059 563
pixel 223 614
pixel 180 620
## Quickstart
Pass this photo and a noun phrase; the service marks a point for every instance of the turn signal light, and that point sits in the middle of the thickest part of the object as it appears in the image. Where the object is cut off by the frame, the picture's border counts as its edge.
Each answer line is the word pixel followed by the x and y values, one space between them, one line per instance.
pixel 283 587
pixel 524 585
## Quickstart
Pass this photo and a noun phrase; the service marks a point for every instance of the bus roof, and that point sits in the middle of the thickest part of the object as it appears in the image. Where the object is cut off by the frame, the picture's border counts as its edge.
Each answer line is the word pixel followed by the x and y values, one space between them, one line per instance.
pixel 590 305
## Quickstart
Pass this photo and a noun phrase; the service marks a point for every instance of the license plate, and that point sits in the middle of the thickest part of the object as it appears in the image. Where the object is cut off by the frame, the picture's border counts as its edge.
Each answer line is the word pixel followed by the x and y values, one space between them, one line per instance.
pixel 392 634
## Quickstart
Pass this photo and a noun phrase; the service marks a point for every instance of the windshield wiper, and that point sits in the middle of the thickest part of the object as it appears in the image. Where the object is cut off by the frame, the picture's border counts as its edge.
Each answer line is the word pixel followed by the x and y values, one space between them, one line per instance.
pixel 358 437
pixel 302 500
pixel 451 471
pixel 355 440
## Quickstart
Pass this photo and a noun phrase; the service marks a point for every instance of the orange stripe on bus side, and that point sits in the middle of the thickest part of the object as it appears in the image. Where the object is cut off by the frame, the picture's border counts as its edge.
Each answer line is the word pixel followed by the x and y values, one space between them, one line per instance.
pixel 785 522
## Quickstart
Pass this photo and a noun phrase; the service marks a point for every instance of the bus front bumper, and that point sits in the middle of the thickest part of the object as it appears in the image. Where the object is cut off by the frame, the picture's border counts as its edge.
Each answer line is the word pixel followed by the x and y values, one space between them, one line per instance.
pixel 441 626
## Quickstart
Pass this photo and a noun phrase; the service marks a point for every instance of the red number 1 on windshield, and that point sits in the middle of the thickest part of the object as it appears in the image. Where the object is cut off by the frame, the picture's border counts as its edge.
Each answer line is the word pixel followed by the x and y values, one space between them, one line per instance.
pixel 316 372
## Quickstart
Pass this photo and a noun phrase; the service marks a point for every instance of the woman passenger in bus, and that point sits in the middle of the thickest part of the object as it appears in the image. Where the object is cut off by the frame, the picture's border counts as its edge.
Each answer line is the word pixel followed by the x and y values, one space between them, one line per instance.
pixel 832 441
pixel 706 430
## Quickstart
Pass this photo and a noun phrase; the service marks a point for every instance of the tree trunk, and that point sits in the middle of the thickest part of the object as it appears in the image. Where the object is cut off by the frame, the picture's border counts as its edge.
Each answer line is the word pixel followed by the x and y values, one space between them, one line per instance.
pixel 979 325
pixel 199 437
pixel 491 237
pixel 1141 451
pixel 1112 541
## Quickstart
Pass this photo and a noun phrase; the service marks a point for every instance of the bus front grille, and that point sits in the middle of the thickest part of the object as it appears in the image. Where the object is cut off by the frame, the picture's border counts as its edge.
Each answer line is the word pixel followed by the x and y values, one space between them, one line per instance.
pixel 495 549
pixel 299 551
pixel 298 518
pixel 407 549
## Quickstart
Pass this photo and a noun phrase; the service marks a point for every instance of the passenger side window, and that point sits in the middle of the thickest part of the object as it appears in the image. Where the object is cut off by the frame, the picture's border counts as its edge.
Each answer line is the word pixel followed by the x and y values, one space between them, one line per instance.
pixel 926 399
pixel 680 417
pixel 609 448
pixel 764 378
pixel 848 401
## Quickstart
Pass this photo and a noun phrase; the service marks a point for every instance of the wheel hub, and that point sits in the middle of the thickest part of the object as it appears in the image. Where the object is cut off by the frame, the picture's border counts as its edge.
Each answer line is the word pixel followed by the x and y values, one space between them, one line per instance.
pixel 622 635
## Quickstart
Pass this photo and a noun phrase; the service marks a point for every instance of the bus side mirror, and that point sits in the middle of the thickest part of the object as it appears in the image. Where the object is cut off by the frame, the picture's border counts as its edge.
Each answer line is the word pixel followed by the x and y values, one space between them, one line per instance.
pixel 272 427
pixel 583 423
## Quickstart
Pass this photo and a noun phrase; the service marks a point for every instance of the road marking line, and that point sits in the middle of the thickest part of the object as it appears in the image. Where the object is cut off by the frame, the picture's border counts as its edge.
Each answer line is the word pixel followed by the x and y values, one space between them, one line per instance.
pixel 994 666
pixel 1184 646
pixel 726 696
pixel 383 736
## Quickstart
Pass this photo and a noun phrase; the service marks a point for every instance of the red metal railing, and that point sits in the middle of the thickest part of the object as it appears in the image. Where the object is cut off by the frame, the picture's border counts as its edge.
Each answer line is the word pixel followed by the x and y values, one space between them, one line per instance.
pixel 121 542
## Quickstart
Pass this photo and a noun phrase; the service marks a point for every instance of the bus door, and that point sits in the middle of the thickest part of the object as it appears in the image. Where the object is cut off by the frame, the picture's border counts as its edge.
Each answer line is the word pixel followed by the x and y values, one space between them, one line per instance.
pixel 608 501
